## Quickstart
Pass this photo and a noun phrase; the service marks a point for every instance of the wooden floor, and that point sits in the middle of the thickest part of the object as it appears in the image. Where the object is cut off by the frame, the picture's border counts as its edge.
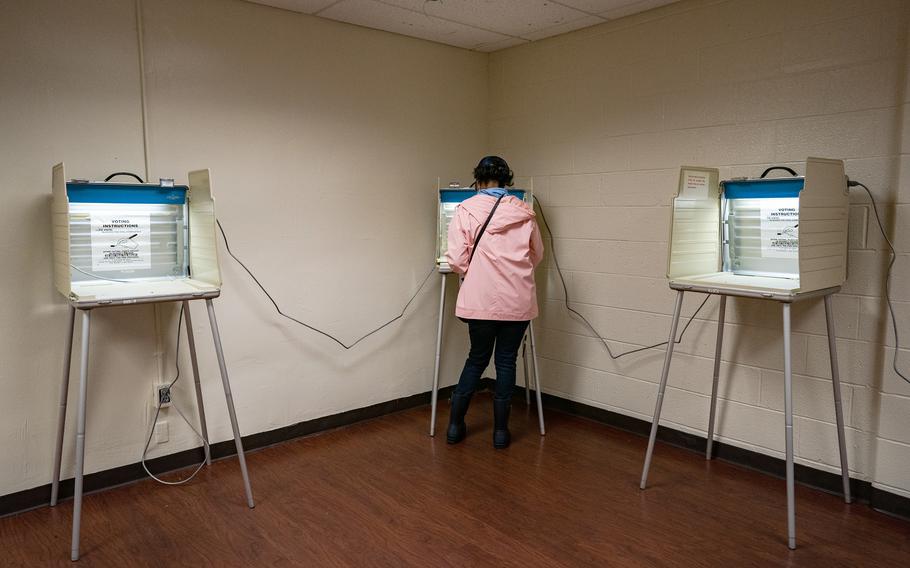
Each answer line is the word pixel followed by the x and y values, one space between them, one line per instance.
pixel 382 493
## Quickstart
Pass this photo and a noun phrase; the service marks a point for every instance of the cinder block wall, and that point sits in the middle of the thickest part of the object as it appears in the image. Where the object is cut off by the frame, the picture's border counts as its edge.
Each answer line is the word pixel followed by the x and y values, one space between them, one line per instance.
pixel 892 458
pixel 601 119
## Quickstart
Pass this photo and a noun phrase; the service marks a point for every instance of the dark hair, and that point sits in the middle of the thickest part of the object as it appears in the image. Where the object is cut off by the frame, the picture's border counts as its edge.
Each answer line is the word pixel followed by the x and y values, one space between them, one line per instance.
pixel 493 168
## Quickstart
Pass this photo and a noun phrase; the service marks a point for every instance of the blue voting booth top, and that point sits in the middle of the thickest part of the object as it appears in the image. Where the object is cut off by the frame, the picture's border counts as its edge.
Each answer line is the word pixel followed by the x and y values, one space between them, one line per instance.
pixel 459 195
pixel 762 188
pixel 103 192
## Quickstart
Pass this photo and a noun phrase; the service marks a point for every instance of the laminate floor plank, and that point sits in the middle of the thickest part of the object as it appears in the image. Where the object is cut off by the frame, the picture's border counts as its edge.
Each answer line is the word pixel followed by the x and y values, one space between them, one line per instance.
pixel 382 493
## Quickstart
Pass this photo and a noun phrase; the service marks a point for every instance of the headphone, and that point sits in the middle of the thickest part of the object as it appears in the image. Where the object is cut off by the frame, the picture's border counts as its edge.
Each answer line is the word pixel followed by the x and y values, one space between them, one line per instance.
pixel 493 168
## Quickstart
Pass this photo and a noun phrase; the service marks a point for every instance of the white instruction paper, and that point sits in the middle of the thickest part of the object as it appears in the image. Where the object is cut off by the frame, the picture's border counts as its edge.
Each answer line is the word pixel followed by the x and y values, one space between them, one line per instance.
pixel 121 242
pixel 695 184
pixel 779 230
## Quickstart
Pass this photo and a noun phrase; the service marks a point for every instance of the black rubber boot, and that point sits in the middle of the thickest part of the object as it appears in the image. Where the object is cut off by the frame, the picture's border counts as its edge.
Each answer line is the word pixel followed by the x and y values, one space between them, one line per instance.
pixel 457 429
pixel 501 435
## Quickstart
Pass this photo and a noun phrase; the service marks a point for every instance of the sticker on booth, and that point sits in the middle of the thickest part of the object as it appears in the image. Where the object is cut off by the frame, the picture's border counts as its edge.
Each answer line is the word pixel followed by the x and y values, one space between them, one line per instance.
pixel 779 230
pixel 696 184
pixel 121 242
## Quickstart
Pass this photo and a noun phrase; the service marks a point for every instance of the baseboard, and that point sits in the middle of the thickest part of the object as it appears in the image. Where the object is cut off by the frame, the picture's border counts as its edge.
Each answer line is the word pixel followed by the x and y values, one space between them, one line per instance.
pixel 863 491
pixel 41 496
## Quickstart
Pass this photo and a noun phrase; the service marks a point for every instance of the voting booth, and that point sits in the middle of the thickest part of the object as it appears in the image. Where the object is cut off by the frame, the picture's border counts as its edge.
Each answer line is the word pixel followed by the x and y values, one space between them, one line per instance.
pixel 449 199
pixel 766 237
pixel 782 239
pixel 118 243
pixel 124 243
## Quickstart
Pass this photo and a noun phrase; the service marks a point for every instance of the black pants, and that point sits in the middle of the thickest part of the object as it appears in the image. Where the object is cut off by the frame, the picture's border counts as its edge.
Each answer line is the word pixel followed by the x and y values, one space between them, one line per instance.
pixel 506 336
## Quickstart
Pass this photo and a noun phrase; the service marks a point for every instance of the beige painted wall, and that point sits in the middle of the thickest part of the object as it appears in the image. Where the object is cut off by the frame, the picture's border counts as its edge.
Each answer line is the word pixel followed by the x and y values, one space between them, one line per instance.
pixel 602 119
pixel 324 140
pixel 65 96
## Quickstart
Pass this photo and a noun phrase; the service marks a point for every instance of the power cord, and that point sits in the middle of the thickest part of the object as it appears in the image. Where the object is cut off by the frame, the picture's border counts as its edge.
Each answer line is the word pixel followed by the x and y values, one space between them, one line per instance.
pixel 881 227
pixel 93 275
pixel 269 296
pixel 850 183
pixel 148 440
pixel 562 279
pixel 306 325
pixel 565 288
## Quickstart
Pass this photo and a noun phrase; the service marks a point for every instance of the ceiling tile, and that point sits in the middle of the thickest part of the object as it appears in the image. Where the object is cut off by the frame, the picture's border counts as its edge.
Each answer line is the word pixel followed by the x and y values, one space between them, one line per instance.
pixel 633 8
pixel 597 6
pixel 510 17
pixel 508 42
pixel 482 25
pixel 585 22
pixel 304 6
pixel 378 15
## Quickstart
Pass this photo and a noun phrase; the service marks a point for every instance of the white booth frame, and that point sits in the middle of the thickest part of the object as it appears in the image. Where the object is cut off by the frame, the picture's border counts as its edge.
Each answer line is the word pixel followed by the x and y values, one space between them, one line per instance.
pixel 204 284
pixel 695 264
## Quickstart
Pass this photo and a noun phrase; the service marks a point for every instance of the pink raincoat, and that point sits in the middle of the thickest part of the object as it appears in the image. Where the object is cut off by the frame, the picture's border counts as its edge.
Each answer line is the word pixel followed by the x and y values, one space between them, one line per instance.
pixel 500 282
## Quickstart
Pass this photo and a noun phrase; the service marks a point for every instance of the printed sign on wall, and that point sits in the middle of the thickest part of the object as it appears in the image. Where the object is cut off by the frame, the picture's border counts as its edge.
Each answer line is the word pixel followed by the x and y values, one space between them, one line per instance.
pixel 779 230
pixel 696 184
pixel 121 242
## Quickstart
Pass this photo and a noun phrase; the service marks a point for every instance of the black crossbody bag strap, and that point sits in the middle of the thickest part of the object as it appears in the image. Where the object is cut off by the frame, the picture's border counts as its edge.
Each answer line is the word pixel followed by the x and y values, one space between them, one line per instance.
pixel 484 228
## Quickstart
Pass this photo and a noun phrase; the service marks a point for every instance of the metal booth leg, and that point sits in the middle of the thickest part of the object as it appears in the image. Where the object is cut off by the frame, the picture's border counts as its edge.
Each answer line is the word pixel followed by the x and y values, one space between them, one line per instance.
pixel 524 366
pixel 80 435
pixel 61 417
pixel 717 350
pixel 192 342
pixel 838 411
pixel 660 389
pixel 543 430
pixel 230 403
pixel 788 430
pixel 434 394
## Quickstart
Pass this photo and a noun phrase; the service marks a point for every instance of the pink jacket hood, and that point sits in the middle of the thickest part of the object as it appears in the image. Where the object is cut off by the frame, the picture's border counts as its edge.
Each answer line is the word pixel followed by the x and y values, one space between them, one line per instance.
pixel 499 283
pixel 511 211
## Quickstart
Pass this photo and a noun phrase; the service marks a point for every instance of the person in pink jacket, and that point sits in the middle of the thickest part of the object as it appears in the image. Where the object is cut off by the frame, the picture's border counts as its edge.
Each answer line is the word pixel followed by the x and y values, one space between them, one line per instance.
pixel 497 254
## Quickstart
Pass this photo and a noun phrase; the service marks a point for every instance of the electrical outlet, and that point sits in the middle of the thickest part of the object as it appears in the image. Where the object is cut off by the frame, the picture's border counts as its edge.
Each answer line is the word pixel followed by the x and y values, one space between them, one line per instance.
pixel 162 432
pixel 163 396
